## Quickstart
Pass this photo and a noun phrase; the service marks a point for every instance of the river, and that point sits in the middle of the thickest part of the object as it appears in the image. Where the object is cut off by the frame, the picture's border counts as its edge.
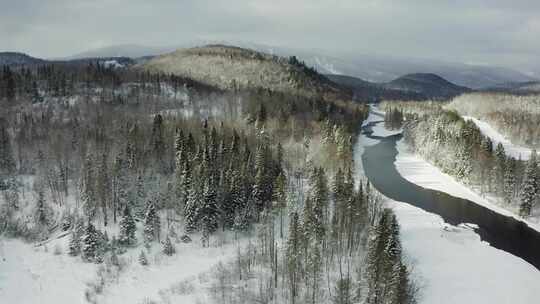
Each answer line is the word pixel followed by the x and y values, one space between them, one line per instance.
pixel 500 231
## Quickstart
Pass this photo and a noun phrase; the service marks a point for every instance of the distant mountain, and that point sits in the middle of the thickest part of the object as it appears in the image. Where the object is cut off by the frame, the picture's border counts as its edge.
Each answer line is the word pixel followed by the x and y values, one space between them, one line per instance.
pixel 517 87
pixel 366 91
pixel 228 67
pixel 430 85
pixel 381 68
pixel 374 68
pixel 125 50
pixel 18 59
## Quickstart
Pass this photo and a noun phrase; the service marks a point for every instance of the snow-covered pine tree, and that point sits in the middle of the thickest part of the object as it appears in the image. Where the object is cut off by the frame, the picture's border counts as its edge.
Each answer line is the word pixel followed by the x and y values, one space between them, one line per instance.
pixel 140 197
pixel 293 253
pixel 41 213
pixel 103 187
pixel 191 210
pixel 120 185
pixel 7 162
pixel 185 185
pixel 87 188
pixel 209 212
pixel 89 243
pixel 319 194
pixel 142 259
pixel 168 247
pixel 529 187
pixel 152 225
pixel 74 247
pixel 510 180
pixel 127 228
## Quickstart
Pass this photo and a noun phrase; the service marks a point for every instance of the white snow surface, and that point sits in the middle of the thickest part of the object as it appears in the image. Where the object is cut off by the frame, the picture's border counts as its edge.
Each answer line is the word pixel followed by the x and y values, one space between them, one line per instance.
pixel 450 264
pixel 516 151
pixel 31 274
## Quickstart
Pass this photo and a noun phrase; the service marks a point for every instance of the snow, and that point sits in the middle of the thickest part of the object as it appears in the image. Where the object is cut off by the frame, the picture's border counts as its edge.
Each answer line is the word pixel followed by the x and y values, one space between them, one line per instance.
pixel 156 280
pixel 30 275
pixel 516 151
pixel 450 264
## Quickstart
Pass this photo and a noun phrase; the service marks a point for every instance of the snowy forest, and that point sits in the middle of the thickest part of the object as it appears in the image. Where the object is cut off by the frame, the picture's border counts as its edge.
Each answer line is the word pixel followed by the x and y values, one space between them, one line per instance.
pixel 126 170
pixel 517 116
pixel 459 148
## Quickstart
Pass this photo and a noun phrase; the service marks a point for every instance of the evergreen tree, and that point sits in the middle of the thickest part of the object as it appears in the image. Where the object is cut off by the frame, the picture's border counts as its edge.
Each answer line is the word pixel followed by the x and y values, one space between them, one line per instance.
pixel 209 212
pixel 103 187
pixel 41 211
pixel 191 211
pixel 7 163
pixel 74 247
pixel 89 243
pixel 142 258
pixel 152 225
pixel 87 188
pixel 529 187
pixel 168 247
pixel 127 228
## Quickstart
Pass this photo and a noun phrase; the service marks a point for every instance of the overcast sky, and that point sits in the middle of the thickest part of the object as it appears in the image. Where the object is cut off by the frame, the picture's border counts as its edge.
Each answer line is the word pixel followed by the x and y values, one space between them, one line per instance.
pixel 501 32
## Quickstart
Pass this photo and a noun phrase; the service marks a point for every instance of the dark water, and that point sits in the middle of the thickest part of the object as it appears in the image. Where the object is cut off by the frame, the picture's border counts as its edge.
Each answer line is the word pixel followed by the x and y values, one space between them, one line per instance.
pixel 502 232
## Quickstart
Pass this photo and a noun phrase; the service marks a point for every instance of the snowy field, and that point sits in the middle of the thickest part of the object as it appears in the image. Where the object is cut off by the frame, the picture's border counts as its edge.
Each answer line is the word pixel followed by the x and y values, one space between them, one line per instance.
pixel 451 264
pixel 518 152
pixel 31 274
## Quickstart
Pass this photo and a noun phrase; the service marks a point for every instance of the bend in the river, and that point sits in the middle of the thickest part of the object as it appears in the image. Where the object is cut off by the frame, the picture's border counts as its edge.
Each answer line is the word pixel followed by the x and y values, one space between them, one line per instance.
pixel 500 231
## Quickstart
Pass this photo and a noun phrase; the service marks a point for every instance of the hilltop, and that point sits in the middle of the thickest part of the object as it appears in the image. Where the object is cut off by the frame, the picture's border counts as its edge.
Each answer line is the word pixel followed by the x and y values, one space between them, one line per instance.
pixel 233 68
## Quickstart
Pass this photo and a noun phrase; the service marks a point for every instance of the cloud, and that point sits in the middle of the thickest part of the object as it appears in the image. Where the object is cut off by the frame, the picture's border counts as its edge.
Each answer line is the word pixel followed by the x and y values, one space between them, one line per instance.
pixel 491 31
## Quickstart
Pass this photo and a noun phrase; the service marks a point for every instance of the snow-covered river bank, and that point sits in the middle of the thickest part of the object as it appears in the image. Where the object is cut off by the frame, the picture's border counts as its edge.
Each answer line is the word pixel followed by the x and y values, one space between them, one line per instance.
pixel 451 263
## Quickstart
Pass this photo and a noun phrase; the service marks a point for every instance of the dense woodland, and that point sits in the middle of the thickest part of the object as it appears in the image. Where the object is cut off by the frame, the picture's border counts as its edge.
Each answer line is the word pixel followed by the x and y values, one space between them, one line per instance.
pixel 459 149
pixel 119 160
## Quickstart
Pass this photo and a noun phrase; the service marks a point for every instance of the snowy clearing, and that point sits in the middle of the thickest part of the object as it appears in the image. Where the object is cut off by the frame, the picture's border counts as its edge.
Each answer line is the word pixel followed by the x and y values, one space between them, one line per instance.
pixel 30 274
pixel 517 152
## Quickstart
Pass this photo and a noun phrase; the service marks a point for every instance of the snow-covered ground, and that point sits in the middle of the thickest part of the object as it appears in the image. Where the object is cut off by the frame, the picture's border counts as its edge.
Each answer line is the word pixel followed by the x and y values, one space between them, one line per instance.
pixel 516 151
pixel 32 274
pixel 451 264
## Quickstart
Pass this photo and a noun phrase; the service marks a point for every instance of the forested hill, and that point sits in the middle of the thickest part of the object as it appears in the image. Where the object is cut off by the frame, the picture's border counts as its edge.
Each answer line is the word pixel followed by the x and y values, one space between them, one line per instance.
pixel 429 85
pixel 233 68
pixel 15 58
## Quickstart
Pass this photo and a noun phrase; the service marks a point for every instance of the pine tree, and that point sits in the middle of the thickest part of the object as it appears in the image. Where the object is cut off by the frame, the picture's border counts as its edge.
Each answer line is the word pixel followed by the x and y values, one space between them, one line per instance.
pixel 103 187
pixel 168 247
pixel 151 223
pixel 7 163
pixel 41 211
pixel 142 258
pixel 74 243
pixel 87 188
pixel 529 187
pixel 209 211
pixel 293 252
pixel 89 243
pixel 510 180
pixel 127 228
pixel 191 211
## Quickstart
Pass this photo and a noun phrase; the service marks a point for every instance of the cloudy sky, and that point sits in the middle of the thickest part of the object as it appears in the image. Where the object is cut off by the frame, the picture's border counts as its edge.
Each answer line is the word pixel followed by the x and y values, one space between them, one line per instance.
pixel 500 32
